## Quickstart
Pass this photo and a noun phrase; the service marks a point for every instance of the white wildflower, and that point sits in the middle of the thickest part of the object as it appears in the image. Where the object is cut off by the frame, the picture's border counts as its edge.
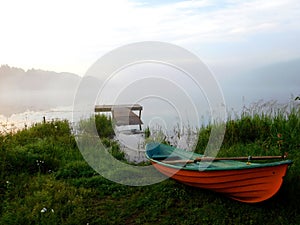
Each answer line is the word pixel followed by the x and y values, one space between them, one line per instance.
pixel 43 210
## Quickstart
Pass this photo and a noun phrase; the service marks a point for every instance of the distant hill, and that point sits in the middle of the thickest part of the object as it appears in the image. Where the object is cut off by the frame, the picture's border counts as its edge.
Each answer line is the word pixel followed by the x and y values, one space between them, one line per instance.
pixel 35 89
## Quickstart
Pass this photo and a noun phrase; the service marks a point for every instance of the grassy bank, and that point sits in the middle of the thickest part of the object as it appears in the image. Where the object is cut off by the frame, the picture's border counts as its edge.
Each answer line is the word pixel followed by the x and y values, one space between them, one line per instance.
pixel 44 179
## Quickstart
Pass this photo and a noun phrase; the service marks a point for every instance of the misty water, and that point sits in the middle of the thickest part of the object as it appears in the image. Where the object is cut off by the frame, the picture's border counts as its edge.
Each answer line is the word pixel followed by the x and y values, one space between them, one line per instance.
pixel 28 118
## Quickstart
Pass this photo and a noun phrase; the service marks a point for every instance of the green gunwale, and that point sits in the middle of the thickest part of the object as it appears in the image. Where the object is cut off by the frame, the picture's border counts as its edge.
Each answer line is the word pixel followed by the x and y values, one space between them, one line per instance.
pixel 156 149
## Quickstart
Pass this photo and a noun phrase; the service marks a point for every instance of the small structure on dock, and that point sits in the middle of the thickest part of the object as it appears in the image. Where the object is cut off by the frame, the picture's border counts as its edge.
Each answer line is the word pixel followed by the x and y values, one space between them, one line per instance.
pixel 123 115
pixel 131 141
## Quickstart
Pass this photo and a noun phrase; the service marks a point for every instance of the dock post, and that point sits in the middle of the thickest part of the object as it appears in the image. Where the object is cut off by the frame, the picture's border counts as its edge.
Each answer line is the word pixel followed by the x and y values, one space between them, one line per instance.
pixel 140 113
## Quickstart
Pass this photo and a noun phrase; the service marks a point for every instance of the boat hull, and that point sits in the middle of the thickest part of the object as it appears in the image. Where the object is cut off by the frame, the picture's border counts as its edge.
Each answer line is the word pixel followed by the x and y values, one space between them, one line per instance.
pixel 242 181
pixel 245 185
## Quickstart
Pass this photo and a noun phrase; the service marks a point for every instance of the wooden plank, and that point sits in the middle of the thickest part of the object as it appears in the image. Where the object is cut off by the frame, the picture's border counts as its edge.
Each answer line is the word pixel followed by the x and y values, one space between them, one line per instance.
pixel 124 116
pixel 108 108
pixel 210 159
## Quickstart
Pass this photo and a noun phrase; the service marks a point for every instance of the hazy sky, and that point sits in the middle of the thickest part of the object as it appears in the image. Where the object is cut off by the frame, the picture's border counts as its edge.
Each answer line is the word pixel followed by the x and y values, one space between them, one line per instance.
pixel 71 35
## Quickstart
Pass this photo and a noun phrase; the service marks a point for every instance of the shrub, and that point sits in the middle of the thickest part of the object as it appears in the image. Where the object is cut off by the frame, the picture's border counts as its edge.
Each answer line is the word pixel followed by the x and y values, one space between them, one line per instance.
pixel 103 126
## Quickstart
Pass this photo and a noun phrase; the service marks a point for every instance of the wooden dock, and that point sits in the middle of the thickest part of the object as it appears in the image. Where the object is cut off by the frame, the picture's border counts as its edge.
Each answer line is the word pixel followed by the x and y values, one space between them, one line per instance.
pixel 123 115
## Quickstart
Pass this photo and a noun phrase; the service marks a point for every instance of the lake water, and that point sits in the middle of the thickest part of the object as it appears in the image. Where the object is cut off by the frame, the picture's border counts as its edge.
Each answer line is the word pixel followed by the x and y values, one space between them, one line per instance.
pixel 28 118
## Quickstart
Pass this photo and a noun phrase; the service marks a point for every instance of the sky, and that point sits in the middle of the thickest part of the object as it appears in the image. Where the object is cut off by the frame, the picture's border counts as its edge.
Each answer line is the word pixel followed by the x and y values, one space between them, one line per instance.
pixel 69 36
pixel 240 41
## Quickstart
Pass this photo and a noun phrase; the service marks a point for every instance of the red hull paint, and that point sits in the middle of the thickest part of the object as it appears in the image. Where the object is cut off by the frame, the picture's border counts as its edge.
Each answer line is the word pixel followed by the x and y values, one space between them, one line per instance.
pixel 246 185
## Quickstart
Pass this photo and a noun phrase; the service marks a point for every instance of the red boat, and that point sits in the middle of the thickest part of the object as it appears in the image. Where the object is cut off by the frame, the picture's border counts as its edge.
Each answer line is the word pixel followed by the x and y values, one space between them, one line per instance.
pixel 243 181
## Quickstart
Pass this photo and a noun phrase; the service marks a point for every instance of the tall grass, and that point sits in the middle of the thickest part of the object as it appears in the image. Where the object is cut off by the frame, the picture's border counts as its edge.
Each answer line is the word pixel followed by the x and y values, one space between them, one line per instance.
pixel 274 129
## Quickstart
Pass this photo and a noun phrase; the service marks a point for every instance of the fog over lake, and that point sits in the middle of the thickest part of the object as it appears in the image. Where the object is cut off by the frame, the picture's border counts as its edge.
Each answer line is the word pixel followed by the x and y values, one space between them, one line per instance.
pixel 38 92
pixel 251 47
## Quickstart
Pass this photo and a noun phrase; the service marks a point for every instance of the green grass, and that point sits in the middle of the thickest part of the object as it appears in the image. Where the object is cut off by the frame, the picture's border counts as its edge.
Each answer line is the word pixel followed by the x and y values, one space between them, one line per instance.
pixel 41 168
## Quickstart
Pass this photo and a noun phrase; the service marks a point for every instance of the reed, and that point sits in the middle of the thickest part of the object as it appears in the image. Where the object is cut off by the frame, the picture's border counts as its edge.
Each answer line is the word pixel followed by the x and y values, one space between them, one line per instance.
pixel 262 128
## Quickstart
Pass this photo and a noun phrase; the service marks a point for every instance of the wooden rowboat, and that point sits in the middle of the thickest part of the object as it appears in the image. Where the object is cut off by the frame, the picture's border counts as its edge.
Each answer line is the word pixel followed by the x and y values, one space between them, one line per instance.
pixel 248 182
